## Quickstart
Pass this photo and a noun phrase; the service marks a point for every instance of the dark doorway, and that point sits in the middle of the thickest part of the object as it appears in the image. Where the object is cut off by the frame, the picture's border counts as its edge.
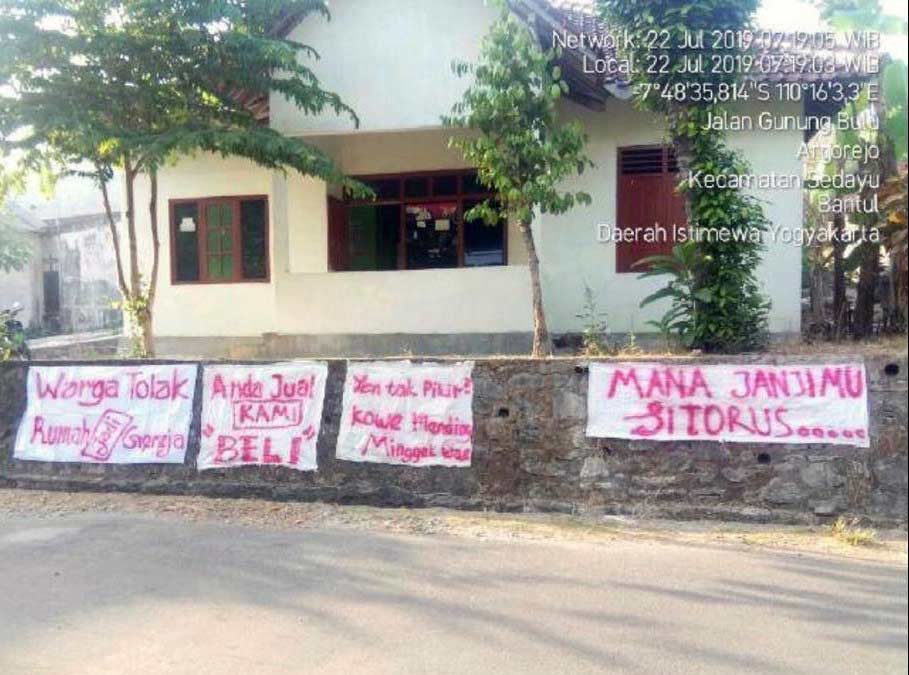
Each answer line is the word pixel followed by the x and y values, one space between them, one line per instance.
pixel 52 294
pixel 374 235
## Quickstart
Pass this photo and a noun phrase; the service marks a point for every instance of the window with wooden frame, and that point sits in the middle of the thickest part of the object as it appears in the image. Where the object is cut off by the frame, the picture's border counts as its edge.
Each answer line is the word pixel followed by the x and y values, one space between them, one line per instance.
pixel 219 239
pixel 648 204
pixel 416 221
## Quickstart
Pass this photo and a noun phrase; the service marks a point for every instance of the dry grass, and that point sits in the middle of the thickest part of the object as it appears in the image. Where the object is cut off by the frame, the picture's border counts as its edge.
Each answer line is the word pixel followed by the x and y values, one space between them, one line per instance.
pixel 849 532
pixel 879 346
pixel 891 346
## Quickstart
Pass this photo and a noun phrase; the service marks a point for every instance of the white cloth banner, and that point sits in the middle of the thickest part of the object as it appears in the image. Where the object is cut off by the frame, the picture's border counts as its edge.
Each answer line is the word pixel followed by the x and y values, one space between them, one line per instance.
pixel 107 414
pixel 740 403
pixel 262 415
pixel 397 412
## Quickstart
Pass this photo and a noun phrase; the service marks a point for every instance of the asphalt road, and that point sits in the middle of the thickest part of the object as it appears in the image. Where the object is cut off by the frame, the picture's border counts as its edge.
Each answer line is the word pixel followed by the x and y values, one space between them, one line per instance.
pixel 141 594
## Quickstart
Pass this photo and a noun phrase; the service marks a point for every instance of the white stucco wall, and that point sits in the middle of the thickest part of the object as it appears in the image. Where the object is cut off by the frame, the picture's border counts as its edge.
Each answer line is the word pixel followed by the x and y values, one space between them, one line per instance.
pixel 210 309
pixel 572 256
pixel 781 270
pixel 390 60
pixel 303 297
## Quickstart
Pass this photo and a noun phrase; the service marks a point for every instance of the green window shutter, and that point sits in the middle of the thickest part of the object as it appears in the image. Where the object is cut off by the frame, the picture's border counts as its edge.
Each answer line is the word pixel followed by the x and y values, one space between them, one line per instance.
pixel 220 241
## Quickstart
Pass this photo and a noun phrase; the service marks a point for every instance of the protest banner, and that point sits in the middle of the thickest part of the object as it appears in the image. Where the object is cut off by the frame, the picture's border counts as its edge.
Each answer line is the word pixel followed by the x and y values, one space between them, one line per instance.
pixel 132 414
pixel 739 403
pixel 262 415
pixel 398 412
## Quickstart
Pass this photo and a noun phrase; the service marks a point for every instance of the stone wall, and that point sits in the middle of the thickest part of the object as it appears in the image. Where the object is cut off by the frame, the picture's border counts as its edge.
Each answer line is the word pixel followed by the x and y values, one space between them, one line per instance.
pixel 531 453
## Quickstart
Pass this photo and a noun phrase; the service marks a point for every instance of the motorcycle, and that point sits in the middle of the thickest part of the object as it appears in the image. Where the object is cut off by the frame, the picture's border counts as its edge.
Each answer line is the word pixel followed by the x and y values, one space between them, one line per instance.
pixel 12 335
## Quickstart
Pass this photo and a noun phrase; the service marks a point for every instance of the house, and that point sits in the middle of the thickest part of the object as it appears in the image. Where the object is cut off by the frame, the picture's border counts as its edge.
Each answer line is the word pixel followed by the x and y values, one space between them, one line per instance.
pixel 69 282
pixel 257 263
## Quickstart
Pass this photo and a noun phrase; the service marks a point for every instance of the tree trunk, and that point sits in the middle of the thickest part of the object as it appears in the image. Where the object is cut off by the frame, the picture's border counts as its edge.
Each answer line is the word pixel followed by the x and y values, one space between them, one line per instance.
pixel 840 303
pixel 884 166
pixel 817 293
pixel 817 276
pixel 900 275
pixel 146 318
pixel 135 279
pixel 114 235
pixel 863 322
pixel 137 302
pixel 542 346
pixel 839 276
pixel 143 335
pixel 893 317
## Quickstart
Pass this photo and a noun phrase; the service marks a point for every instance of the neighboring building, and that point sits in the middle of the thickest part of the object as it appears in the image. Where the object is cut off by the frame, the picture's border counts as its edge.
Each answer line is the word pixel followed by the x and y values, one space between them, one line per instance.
pixel 69 283
pixel 263 264
pixel 22 285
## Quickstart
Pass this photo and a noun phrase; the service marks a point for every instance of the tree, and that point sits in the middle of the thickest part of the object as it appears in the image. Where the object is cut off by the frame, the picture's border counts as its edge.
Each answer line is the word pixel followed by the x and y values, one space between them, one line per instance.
pixel 895 209
pixel 888 108
pixel 830 256
pixel 521 151
pixel 14 251
pixel 95 86
pixel 728 311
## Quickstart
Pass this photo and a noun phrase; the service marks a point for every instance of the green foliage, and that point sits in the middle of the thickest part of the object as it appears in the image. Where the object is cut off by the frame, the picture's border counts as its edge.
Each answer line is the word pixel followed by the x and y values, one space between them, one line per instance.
pixel 101 84
pixel 884 231
pixel 12 344
pixel 595 334
pixel 717 303
pixel 868 15
pixel 845 15
pixel 630 346
pixel 699 291
pixel 521 152
pixel 14 250
pixel 6 346
pixel 731 310
pixel 91 86
pixel 681 265
pixel 894 91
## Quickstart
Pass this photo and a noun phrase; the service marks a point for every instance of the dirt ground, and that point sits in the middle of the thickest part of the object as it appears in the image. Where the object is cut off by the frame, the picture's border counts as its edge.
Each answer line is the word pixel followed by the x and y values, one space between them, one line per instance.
pixel 888 545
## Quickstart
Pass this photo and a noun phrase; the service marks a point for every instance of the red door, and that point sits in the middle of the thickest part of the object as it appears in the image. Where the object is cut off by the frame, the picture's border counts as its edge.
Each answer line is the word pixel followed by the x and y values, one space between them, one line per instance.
pixel 647 204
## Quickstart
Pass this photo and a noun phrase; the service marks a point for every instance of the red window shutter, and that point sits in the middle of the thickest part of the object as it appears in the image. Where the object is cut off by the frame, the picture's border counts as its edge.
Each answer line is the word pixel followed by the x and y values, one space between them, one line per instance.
pixel 338 233
pixel 647 203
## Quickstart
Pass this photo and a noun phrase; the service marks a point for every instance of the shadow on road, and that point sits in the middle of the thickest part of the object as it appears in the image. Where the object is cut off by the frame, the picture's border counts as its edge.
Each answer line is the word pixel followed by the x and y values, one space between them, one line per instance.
pixel 628 605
